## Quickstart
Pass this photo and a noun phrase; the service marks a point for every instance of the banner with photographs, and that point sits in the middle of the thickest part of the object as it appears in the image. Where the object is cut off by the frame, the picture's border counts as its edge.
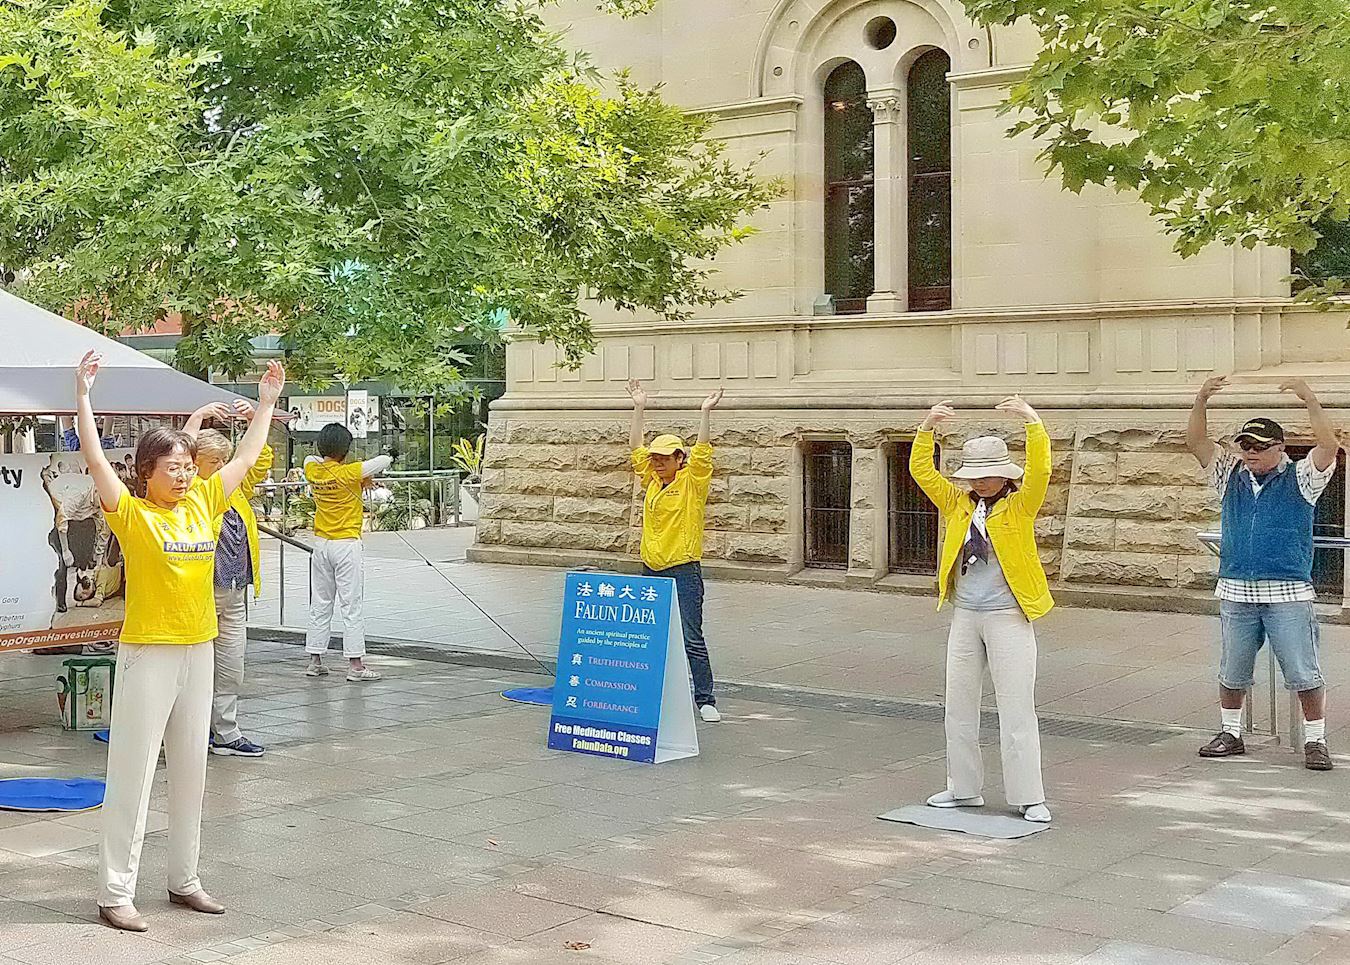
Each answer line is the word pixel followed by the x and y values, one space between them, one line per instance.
pixel 61 569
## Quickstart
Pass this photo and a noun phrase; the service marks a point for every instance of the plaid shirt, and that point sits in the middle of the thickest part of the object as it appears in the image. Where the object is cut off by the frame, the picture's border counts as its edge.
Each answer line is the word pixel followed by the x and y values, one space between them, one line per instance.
pixel 1312 482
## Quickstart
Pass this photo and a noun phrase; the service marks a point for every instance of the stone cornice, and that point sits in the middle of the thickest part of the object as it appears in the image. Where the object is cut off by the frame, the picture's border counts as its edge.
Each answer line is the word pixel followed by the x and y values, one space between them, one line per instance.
pixel 973 316
pixel 993 77
pixel 758 107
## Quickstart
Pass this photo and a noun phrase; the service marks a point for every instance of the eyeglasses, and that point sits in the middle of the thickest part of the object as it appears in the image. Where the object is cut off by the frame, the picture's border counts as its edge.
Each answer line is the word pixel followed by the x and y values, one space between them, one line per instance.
pixel 1251 445
pixel 184 472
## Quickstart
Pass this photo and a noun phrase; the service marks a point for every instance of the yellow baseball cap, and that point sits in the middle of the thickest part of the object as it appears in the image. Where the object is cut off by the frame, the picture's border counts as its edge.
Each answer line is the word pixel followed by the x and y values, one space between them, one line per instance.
pixel 667 445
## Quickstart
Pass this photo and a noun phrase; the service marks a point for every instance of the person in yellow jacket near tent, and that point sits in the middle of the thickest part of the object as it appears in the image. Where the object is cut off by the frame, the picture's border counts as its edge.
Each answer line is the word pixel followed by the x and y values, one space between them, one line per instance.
pixel 237 568
pixel 990 567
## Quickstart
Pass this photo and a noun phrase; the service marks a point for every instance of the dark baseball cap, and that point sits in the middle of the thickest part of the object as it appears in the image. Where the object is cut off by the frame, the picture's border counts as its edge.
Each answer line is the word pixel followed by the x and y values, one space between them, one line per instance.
pixel 1261 430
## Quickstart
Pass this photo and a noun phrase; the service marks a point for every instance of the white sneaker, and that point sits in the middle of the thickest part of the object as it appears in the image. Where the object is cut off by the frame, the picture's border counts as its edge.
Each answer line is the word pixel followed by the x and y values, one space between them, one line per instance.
pixel 946 799
pixel 1038 813
pixel 365 673
pixel 709 713
pixel 316 670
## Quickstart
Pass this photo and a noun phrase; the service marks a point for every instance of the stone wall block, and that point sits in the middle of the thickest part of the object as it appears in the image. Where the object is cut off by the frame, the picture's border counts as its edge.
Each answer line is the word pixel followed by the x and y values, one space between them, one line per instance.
pixel 508 456
pixel 725 517
pixel 715 545
pixel 731 461
pixel 513 506
pixel 756 548
pixel 1056 501
pixel 1120 569
pixel 751 490
pixel 564 536
pixel 1098 468
pixel 860 541
pixel 771 461
pixel 1049 530
pixel 566 433
pixel 574 509
pixel 1167 538
pixel 1159 469
pixel 766 518
pixel 1090 534
pixel 1131 440
pixel 752 434
pixel 1200 505
pixel 1198 572
pixel 1134 502
pixel 544 482
pixel 604 458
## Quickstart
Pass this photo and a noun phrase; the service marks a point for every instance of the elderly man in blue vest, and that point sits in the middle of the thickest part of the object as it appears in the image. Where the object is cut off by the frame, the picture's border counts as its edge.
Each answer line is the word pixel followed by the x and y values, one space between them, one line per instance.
pixel 1265 585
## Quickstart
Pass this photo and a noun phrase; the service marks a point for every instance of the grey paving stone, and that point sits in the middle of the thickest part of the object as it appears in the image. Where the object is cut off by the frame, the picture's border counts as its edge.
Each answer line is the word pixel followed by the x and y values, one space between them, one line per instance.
pixel 1266 902
pixel 1129 953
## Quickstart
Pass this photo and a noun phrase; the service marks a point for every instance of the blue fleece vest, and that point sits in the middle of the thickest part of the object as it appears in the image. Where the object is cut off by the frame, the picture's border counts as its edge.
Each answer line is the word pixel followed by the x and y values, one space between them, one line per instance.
pixel 1267 536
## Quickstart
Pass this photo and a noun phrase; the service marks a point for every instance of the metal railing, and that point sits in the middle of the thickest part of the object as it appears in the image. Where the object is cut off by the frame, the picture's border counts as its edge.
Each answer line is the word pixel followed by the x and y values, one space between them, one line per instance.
pixel 1211 541
pixel 442 505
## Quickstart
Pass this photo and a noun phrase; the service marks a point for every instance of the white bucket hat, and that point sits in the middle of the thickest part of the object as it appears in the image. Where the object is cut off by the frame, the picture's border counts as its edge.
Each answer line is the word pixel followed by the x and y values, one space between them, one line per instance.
pixel 986 456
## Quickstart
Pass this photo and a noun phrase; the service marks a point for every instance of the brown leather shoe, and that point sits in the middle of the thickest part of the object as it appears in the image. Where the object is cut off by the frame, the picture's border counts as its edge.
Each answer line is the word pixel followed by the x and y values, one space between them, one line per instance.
pixel 1316 757
pixel 123 918
pixel 1224 744
pixel 198 901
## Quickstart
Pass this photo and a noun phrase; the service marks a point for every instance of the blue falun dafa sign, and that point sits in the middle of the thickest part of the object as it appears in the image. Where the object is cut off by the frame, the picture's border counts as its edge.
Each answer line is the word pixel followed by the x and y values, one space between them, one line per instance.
pixel 622 687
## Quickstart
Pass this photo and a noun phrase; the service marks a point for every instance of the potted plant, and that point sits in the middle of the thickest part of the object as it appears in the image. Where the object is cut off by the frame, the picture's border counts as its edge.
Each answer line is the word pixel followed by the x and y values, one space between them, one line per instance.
pixel 467 456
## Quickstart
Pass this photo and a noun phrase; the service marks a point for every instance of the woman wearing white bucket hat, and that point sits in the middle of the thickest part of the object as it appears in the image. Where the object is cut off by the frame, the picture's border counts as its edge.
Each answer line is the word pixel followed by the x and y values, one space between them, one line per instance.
pixel 999 588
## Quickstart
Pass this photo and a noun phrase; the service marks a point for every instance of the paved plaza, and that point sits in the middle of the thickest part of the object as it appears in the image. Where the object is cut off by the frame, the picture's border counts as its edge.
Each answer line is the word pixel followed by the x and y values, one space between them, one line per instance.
pixel 420 819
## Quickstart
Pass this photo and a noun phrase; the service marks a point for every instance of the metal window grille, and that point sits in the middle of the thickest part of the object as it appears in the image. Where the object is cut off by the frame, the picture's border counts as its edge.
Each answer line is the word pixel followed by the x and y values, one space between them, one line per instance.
pixel 912 517
pixel 828 478
pixel 1328 520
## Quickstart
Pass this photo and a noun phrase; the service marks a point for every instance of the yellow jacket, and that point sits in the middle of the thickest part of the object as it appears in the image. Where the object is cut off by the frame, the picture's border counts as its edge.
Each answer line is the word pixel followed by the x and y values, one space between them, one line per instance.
pixel 238 501
pixel 1011 523
pixel 672 516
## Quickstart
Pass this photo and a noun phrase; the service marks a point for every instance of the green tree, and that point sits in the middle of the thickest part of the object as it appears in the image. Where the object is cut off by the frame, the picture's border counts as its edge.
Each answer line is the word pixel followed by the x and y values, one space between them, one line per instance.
pixel 380 182
pixel 1231 118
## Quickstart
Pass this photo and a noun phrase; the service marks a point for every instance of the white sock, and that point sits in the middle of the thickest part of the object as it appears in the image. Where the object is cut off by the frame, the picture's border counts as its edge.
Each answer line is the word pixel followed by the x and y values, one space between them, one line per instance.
pixel 1232 721
pixel 1315 730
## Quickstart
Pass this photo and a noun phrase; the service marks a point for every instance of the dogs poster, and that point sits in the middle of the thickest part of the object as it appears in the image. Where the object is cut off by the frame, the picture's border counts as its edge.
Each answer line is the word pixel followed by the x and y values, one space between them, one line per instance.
pixel 62 576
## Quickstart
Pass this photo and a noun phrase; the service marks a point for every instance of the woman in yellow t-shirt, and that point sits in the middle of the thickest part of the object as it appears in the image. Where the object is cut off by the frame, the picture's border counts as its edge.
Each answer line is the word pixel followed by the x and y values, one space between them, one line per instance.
pixel 165 665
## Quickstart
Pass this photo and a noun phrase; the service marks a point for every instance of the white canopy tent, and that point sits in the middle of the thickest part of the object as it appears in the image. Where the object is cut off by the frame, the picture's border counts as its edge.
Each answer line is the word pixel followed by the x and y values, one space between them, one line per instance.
pixel 39 351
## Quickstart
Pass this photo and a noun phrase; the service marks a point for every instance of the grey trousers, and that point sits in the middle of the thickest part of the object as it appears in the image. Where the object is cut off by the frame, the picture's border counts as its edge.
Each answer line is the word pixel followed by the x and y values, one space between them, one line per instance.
pixel 231 643
pixel 1003 641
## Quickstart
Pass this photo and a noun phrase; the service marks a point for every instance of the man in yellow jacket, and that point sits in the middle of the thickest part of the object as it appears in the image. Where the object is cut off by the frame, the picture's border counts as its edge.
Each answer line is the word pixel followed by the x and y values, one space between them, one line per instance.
pixel 236 569
pixel 990 566
pixel 675 482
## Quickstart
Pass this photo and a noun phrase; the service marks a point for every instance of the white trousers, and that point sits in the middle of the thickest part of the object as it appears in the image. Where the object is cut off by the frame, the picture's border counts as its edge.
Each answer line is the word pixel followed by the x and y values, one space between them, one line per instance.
pixel 232 615
pixel 1004 641
pixel 335 576
pixel 162 695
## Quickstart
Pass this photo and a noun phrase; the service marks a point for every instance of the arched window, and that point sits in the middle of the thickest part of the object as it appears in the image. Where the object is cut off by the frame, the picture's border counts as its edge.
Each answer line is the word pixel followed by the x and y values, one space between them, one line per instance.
pixel 849 174
pixel 929 105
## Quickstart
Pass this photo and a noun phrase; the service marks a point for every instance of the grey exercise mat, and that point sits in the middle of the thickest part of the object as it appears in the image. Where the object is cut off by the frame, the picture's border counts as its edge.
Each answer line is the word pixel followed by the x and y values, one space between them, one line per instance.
pixel 966 820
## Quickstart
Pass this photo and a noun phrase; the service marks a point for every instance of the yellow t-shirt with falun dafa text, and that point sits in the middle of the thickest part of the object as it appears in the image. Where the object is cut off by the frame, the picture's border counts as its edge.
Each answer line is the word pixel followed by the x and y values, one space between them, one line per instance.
pixel 170 564
pixel 338 510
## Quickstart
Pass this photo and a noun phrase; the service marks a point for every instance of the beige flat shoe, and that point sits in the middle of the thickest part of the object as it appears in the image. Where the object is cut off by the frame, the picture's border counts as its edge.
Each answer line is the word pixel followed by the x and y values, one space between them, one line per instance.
pixel 123 918
pixel 198 901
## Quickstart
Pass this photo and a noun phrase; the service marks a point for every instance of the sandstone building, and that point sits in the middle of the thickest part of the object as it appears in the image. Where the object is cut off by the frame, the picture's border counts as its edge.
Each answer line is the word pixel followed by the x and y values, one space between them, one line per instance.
pixel 917 254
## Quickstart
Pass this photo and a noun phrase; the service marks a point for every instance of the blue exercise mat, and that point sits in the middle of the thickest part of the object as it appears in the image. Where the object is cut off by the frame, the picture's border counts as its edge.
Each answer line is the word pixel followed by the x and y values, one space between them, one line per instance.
pixel 101 736
pixel 50 794
pixel 530 695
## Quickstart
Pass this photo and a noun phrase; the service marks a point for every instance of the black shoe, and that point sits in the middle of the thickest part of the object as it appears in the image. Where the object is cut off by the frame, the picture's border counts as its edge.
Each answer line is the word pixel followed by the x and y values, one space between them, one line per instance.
pixel 1224 744
pixel 1316 757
